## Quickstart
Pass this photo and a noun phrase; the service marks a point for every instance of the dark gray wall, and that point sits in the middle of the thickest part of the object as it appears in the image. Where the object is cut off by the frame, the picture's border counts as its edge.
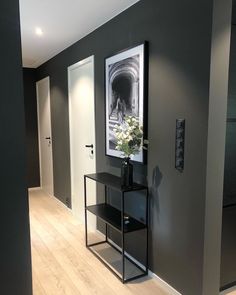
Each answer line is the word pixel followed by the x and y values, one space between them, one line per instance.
pixel 31 123
pixel 15 265
pixel 230 154
pixel 179 35
pixel 228 249
pixel 228 258
pixel 234 12
pixel 218 93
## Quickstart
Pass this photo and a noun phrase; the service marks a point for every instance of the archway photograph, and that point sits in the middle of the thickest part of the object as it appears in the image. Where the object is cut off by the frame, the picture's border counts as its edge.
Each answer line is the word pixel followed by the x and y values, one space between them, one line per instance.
pixel 125 95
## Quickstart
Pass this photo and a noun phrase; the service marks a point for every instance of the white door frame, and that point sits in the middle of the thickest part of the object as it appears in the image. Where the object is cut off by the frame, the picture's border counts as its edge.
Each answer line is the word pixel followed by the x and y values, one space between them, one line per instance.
pixel 71 68
pixel 39 134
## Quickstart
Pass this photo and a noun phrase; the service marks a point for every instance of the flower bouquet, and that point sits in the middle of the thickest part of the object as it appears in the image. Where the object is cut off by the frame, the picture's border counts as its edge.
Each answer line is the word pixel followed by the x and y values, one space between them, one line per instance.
pixel 129 137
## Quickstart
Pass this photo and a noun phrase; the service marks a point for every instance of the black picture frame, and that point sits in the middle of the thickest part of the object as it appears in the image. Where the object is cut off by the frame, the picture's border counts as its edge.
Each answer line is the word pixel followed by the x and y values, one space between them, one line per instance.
pixel 127 72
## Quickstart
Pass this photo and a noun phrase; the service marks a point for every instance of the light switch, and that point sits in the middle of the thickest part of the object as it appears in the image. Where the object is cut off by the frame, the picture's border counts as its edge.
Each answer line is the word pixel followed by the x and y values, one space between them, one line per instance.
pixel 180 144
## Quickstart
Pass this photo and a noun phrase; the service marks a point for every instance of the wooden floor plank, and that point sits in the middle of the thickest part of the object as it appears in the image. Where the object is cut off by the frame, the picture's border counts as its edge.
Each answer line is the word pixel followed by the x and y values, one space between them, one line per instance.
pixel 231 291
pixel 37 287
pixel 62 265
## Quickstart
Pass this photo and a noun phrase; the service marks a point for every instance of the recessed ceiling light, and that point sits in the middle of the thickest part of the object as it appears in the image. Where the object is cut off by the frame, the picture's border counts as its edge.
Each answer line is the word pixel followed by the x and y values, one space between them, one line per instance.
pixel 38 31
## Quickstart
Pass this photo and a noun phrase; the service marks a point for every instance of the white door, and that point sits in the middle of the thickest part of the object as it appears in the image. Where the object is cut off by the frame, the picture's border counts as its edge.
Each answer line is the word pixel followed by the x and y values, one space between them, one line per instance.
pixel 45 137
pixel 82 134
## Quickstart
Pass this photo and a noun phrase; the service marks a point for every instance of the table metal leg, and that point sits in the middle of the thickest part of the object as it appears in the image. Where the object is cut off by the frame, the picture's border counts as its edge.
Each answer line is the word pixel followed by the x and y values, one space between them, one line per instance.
pixel 106 203
pixel 85 212
pixel 123 237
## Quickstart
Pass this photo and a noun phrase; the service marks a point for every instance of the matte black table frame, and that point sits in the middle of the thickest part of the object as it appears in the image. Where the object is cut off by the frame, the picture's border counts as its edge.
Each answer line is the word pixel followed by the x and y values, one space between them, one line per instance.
pixel 115 219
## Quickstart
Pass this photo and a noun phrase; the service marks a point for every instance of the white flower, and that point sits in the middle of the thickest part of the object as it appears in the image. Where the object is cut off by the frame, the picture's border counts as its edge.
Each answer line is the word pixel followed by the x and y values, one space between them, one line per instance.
pixel 126 133
pixel 130 128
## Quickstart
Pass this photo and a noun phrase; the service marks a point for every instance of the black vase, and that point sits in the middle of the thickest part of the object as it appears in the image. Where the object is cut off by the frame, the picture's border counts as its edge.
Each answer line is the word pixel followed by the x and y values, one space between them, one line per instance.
pixel 126 173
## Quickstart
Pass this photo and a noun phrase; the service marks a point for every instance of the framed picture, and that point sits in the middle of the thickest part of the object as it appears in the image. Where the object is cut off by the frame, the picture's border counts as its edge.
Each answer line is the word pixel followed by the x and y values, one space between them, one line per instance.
pixel 126 94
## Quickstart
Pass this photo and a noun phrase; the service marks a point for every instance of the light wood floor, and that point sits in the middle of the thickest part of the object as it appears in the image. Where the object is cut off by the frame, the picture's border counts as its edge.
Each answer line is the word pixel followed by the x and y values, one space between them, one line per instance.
pixel 61 262
pixel 232 291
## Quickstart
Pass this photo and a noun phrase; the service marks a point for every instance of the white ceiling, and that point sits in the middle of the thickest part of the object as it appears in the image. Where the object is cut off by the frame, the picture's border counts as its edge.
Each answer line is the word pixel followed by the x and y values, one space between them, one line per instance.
pixel 63 22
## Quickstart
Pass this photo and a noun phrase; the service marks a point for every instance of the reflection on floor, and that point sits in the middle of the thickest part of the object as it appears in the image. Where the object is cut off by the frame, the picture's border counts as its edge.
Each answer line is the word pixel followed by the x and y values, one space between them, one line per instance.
pixel 61 263
pixel 111 255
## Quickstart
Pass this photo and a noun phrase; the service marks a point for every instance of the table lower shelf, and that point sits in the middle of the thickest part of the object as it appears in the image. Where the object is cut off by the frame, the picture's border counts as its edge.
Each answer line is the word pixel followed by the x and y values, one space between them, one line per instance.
pixel 111 256
pixel 112 216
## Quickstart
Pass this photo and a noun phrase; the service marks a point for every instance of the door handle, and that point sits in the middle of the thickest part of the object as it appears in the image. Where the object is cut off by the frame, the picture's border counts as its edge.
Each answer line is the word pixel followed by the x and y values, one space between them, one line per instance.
pixel 48 138
pixel 90 146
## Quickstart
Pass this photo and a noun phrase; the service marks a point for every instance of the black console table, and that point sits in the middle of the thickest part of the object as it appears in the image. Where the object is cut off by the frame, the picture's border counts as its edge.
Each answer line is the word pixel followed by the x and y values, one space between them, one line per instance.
pixel 120 221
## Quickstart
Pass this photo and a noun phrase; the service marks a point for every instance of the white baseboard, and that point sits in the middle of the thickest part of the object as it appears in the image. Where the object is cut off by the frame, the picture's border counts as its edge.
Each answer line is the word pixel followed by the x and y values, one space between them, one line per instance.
pixel 33 189
pixel 129 256
pixel 164 285
pixel 61 203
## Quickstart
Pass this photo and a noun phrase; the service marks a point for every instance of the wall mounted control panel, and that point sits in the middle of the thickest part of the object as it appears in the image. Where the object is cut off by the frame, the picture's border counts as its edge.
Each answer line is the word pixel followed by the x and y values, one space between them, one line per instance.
pixel 179 144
